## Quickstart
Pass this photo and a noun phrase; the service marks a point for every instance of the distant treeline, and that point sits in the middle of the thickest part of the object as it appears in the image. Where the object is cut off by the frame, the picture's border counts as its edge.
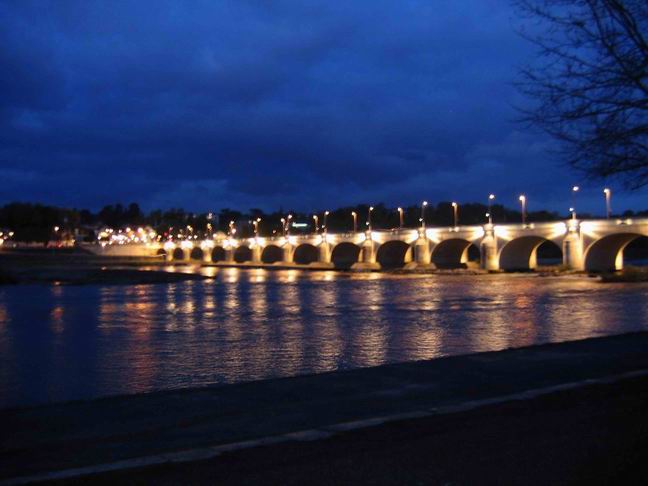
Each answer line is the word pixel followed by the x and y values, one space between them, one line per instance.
pixel 36 222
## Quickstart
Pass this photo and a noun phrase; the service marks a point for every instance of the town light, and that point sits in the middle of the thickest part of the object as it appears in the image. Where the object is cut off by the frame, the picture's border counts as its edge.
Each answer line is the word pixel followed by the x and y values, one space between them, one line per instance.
pixel 316 219
pixel 287 231
pixel 355 221
pixel 522 200
pixel 489 215
pixel 423 206
pixel 608 207
pixel 575 189
pixel 400 218
pixel 455 213
pixel 325 226
pixel 371 208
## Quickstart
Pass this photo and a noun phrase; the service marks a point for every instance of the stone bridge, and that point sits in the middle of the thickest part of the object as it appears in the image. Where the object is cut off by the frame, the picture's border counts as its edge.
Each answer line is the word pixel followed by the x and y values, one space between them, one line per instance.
pixel 591 245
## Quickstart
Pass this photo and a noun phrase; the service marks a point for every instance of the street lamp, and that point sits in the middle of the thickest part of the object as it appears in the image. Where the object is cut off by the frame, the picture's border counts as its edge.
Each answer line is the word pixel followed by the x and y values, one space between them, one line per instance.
pixel 288 224
pixel 608 207
pixel 355 221
pixel 231 228
pixel 423 206
pixel 400 218
pixel 371 208
pixel 316 219
pixel 255 223
pixel 455 213
pixel 491 198
pixel 325 226
pixel 283 226
pixel 522 199
pixel 575 189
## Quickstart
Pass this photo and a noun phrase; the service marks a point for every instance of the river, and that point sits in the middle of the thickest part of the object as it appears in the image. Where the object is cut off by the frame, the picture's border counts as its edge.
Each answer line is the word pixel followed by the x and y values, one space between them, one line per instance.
pixel 76 342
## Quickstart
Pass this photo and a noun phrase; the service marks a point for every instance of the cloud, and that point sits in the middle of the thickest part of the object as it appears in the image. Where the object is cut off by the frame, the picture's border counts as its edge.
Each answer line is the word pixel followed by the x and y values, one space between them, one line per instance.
pixel 250 103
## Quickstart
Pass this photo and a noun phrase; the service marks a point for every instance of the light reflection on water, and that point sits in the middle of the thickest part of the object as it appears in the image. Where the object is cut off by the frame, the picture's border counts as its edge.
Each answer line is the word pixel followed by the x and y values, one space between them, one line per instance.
pixel 66 342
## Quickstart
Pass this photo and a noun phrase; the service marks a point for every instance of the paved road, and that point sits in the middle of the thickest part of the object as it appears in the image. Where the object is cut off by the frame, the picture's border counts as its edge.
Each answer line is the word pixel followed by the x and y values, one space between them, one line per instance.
pixel 50 438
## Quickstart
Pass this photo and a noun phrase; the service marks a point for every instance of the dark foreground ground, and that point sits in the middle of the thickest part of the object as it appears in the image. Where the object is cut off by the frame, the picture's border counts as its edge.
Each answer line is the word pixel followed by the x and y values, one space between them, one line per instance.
pixel 562 413
pixel 593 435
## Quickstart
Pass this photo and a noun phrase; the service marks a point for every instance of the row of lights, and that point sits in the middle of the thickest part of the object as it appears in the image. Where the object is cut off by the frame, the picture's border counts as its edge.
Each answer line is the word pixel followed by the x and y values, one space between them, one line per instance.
pixel 489 215
pixel 455 213
pixel 141 236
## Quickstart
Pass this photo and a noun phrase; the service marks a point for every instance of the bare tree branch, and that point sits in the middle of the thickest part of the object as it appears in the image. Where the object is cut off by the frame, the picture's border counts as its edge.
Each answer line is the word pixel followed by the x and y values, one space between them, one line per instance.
pixel 590 83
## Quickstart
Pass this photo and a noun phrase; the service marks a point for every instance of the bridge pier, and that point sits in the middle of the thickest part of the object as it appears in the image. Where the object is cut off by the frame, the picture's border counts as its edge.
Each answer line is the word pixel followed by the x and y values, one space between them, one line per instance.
pixel 256 252
pixel 488 247
pixel 367 255
pixel 288 254
pixel 207 254
pixel 572 248
pixel 229 254
pixel 422 255
pixel 323 256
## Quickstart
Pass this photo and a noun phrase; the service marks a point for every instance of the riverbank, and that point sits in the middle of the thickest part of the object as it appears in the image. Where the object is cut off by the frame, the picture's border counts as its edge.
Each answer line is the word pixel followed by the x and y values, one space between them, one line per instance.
pixel 594 435
pixel 183 426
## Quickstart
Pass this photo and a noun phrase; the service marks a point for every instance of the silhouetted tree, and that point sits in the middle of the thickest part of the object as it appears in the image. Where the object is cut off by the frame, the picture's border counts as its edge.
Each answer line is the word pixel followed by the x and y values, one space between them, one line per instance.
pixel 590 83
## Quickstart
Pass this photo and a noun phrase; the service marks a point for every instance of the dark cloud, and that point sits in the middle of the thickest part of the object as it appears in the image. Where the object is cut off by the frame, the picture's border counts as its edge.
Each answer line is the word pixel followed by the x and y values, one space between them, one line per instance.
pixel 251 103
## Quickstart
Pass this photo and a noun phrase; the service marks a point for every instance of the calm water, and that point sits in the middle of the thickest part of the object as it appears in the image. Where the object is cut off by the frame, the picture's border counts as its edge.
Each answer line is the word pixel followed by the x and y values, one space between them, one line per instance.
pixel 67 342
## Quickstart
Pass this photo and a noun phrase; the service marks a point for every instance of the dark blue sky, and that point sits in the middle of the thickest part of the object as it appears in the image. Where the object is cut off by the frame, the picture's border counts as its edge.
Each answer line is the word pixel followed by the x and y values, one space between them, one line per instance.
pixel 211 104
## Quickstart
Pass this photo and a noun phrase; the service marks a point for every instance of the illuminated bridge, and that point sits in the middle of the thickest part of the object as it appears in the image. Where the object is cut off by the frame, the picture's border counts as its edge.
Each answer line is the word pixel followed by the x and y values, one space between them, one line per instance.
pixel 591 245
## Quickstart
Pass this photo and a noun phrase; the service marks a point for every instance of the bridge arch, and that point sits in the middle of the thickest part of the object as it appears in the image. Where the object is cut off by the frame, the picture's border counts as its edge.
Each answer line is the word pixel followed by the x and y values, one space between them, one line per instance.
pixel 305 254
pixel 606 253
pixel 394 254
pixel 454 253
pixel 161 252
pixel 242 254
pixel 218 254
pixel 196 253
pixel 178 254
pixel 345 254
pixel 521 253
pixel 272 254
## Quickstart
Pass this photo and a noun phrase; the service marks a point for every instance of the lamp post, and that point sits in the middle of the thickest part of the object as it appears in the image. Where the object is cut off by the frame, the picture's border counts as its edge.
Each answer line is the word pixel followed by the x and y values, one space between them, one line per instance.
pixel 371 208
pixel 455 213
pixel 283 226
pixel 288 224
pixel 355 221
pixel 608 207
pixel 325 226
pixel 423 206
pixel 491 198
pixel 400 218
pixel 575 189
pixel 522 200
pixel 255 223
pixel 232 230
pixel 316 219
